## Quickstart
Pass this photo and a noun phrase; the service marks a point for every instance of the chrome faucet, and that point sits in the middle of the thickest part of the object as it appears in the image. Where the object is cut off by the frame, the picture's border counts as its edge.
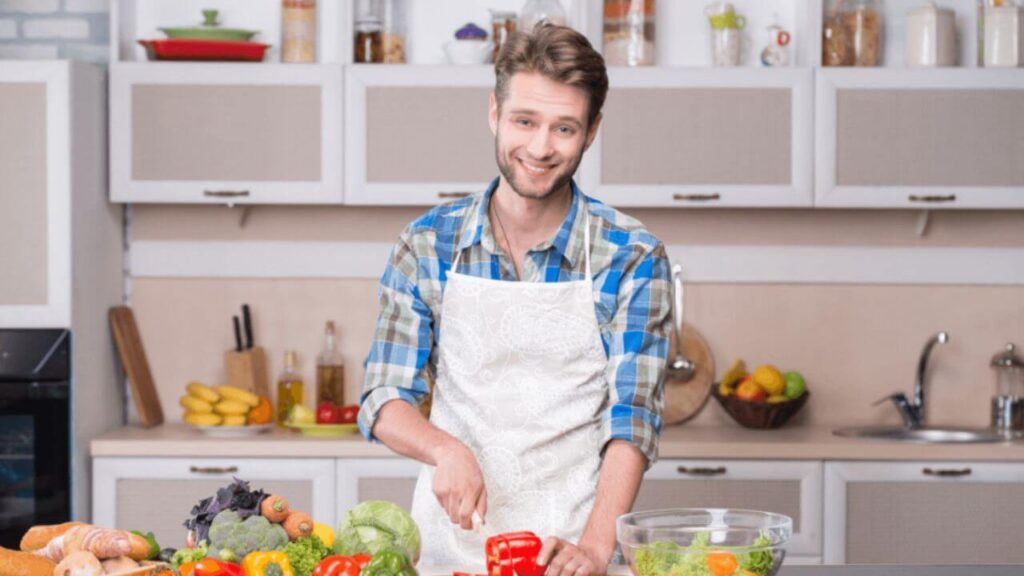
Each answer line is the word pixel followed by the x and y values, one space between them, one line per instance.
pixel 913 413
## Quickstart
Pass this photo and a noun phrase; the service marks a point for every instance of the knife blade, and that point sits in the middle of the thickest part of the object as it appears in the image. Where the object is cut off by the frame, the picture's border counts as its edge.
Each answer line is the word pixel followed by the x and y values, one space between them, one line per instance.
pixel 247 322
pixel 479 528
pixel 238 334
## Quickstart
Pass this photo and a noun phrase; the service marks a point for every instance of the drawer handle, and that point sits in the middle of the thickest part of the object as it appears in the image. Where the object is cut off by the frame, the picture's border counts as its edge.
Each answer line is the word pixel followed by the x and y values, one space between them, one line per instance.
pixel 701 471
pixel 697 197
pixel 225 193
pixel 213 470
pixel 933 198
pixel 453 194
pixel 946 473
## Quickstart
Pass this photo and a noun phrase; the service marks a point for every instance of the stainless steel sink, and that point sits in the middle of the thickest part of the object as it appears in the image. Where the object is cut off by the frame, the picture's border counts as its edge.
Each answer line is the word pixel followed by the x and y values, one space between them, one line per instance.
pixel 928 434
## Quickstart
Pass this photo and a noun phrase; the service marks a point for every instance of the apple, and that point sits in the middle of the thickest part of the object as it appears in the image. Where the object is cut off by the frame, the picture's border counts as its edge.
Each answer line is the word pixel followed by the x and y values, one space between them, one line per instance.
pixel 750 390
pixel 795 385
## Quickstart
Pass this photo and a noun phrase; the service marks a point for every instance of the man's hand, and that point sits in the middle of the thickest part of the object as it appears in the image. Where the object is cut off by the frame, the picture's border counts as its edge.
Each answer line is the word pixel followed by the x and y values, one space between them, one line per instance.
pixel 459 484
pixel 566 559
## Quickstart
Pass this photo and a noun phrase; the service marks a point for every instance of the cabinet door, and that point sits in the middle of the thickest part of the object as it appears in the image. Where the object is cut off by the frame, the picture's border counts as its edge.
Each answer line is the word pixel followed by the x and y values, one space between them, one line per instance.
pixel 158 493
pixel 35 199
pixel 792 488
pixel 417 134
pixel 942 138
pixel 361 479
pixel 924 513
pixel 226 133
pixel 704 137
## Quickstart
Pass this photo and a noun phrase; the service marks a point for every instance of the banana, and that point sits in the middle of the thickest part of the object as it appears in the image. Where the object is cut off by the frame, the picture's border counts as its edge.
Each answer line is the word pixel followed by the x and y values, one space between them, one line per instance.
pixel 228 407
pixel 195 405
pixel 234 420
pixel 202 419
pixel 200 390
pixel 236 393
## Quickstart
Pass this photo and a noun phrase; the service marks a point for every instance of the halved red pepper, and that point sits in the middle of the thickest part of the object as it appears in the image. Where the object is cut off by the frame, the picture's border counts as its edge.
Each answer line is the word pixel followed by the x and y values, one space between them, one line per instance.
pixel 514 554
pixel 339 566
pixel 214 567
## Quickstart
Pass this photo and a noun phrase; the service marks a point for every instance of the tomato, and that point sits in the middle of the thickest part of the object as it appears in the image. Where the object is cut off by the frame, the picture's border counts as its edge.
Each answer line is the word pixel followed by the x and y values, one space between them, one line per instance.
pixel 722 563
pixel 337 566
pixel 327 413
pixel 349 414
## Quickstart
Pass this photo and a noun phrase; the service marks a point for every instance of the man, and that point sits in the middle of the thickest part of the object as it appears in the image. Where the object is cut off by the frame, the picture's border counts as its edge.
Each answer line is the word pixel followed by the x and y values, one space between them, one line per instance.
pixel 541 315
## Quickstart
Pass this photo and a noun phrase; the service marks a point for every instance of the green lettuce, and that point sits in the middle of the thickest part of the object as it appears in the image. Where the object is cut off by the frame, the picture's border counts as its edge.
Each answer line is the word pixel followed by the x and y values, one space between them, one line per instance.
pixel 667 558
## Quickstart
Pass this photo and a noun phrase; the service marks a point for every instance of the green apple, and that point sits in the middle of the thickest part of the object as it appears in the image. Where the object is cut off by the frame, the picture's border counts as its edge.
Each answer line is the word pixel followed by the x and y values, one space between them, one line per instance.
pixel 795 384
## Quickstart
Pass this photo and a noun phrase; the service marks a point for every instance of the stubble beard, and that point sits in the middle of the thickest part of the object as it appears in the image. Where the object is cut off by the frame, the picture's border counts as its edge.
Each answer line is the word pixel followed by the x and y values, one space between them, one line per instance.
pixel 561 181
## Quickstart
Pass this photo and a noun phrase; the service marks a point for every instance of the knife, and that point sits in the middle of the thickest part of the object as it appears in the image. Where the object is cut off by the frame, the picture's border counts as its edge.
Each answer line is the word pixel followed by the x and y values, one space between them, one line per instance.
pixel 238 334
pixel 479 528
pixel 247 321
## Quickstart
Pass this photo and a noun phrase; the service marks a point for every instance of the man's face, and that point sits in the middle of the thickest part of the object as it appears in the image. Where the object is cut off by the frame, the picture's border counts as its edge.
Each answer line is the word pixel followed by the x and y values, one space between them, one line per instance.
pixel 540 134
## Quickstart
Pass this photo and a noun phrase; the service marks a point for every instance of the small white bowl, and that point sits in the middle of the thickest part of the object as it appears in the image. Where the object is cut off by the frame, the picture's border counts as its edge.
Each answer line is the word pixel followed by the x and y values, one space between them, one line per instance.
pixel 468 52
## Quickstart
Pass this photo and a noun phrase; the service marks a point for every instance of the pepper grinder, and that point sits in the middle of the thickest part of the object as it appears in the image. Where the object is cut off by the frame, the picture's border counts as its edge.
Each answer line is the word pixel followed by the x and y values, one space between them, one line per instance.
pixel 1008 402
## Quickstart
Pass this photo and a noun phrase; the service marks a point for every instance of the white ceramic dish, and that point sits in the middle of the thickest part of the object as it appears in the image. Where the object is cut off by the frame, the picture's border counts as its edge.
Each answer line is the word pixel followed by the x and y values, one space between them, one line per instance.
pixel 468 52
pixel 234 431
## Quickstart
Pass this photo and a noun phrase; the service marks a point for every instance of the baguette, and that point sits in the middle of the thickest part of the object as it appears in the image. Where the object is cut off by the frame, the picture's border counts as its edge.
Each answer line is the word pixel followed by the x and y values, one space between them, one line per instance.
pixel 39 536
pixel 15 563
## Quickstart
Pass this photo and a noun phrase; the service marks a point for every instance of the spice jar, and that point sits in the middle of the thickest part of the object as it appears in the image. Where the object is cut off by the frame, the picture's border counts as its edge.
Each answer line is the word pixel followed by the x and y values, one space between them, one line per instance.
pixel 392 16
pixel 629 32
pixel 369 43
pixel 535 11
pixel 503 25
pixel 298 31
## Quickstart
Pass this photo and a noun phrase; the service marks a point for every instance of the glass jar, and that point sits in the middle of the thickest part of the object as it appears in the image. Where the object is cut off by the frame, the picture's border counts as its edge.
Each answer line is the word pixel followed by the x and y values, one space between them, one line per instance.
pixel 298 31
pixel 726 35
pixel 1009 372
pixel 392 16
pixel 503 25
pixel 535 11
pixel 862 20
pixel 629 32
pixel 369 41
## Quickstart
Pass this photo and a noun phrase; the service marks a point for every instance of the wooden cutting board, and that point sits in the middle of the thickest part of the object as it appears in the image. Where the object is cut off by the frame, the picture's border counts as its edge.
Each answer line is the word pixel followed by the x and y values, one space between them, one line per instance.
pixel 133 358
pixel 683 400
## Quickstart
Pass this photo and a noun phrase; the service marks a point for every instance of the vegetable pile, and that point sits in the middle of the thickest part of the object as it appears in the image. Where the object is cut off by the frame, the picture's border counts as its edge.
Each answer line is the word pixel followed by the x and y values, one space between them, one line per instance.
pixel 700 558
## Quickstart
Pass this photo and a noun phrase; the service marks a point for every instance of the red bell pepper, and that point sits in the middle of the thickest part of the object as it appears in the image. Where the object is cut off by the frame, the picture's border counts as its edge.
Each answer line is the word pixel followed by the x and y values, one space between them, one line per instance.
pixel 338 566
pixel 362 559
pixel 514 554
pixel 214 567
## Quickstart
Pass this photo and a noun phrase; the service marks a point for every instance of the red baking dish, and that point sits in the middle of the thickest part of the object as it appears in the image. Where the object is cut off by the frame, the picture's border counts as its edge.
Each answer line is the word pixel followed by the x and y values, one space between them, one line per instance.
pixel 192 49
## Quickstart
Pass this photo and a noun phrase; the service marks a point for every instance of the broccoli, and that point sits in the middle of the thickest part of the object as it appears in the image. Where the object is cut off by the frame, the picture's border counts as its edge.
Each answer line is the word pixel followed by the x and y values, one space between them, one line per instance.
pixel 231 538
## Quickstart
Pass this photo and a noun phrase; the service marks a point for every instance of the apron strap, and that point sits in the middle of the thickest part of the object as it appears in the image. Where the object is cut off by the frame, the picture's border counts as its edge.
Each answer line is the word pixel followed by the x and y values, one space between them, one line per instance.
pixel 586 236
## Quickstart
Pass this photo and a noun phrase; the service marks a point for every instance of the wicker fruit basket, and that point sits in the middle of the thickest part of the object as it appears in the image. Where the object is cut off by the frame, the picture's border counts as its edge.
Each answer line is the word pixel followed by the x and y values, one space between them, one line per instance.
pixel 760 415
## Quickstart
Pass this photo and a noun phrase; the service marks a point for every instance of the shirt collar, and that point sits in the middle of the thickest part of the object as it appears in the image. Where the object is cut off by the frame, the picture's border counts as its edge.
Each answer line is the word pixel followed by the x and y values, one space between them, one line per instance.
pixel 567 242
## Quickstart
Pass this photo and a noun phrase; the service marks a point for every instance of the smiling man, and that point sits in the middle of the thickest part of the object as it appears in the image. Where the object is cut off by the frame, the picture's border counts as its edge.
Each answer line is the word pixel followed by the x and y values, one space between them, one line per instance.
pixel 540 315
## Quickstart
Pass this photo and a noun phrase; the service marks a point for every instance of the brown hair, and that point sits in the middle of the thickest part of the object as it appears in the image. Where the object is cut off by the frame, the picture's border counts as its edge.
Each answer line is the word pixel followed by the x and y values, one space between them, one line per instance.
pixel 558 53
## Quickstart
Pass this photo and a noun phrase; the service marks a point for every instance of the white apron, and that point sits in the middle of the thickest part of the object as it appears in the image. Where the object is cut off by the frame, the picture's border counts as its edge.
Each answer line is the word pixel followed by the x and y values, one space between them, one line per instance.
pixel 521 382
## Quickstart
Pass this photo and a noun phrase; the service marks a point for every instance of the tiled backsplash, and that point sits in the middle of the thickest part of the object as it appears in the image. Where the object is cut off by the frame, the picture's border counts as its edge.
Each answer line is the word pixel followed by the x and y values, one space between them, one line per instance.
pixel 55 29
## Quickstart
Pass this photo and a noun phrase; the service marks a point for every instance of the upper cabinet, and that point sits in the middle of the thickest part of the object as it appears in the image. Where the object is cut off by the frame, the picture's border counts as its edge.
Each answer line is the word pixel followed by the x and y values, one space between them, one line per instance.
pixel 704 137
pixel 266 134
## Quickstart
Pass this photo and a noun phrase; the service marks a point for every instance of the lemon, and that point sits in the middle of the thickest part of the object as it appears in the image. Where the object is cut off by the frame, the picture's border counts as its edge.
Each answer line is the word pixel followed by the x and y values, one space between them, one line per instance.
pixel 769 378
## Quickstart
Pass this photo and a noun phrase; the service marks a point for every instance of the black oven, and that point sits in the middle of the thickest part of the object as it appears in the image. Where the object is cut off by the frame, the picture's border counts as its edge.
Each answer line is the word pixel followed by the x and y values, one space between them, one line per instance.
pixel 35 428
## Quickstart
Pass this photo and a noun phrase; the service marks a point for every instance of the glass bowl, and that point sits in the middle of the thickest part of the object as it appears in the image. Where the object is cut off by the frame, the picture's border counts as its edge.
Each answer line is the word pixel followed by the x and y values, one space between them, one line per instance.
pixel 703 542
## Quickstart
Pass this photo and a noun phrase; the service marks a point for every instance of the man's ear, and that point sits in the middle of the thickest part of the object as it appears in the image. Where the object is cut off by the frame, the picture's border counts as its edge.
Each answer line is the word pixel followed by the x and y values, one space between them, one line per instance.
pixel 592 131
pixel 492 116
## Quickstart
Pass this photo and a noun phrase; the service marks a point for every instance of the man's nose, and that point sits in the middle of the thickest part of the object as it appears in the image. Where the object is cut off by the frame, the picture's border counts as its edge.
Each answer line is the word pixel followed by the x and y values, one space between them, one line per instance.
pixel 540 144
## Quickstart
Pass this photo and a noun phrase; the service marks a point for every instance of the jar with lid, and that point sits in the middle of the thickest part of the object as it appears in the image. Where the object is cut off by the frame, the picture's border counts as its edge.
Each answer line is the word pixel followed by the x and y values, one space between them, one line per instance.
pixel 298 31
pixel 503 25
pixel 726 33
pixel 1008 402
pixel 628 36
pixel 369 41
pixel 535 11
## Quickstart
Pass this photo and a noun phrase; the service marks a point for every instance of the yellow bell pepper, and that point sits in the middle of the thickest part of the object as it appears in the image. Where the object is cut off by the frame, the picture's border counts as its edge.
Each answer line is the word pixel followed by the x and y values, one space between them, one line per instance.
pixel 256 563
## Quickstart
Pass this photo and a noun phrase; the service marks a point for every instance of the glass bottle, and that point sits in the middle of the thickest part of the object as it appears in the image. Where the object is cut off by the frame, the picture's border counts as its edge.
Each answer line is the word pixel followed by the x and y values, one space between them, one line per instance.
pixel 369 41
pixel 535 11
pixel 503 25
pixel 628 32
pixel 330 371
pixel 289 388
pixel 298 31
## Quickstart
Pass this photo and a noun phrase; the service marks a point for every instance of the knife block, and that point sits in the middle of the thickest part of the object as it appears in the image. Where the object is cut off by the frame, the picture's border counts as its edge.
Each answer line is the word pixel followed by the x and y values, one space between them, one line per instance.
pixel 248 370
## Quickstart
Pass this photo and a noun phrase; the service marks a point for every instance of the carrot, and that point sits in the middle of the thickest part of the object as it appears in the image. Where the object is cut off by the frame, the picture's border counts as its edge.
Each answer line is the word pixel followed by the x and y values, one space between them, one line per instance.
pixel 297 525
pixel 275 509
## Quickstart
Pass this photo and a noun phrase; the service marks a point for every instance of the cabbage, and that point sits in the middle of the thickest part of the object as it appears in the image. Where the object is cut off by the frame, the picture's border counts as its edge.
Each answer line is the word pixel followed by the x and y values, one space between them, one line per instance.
pixel 375 526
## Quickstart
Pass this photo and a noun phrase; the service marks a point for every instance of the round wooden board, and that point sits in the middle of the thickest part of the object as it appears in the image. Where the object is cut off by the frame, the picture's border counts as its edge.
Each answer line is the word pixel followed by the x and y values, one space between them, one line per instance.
pixel 683 400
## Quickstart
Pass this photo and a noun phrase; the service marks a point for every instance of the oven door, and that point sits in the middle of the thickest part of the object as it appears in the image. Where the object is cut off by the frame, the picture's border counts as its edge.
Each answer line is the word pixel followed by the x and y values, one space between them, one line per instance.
pixel 35 476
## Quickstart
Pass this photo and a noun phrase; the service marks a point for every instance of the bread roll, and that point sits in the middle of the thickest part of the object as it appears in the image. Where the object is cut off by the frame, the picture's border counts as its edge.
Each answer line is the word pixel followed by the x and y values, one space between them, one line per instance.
pixel 15 563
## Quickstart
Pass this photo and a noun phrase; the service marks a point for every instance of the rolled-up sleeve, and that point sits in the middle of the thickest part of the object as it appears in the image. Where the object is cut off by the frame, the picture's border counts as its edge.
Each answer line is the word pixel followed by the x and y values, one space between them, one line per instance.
pixel 638 344
pixel 402 340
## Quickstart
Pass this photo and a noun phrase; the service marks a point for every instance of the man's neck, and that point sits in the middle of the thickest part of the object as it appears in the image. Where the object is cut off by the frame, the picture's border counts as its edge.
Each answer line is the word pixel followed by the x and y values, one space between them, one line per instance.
pixel 530 221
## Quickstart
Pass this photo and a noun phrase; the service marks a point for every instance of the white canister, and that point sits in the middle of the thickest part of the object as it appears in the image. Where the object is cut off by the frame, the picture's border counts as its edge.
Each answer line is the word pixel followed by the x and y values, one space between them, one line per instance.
pixel 931 37
pixel 1004 36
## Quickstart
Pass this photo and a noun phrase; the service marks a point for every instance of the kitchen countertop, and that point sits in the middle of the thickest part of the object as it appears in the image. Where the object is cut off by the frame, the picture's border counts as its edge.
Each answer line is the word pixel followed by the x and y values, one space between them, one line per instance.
pixel 698 442
pixel 830 570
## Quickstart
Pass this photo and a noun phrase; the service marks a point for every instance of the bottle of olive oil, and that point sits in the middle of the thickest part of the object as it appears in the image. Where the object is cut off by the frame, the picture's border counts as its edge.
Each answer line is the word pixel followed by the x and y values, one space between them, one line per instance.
pixel 289 388
pixel 330 371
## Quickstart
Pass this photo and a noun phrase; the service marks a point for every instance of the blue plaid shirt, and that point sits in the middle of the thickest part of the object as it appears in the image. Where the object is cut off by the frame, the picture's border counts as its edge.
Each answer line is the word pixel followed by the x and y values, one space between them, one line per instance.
pixel 632 305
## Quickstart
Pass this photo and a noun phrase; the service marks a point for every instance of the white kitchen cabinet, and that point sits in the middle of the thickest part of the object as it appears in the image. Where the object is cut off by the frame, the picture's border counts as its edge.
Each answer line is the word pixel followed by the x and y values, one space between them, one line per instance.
pixel 940 138
pixel 417 134
pixel 361 479
pixel 693 137
pixel 158 493
pixel 924 513
pixel 226 133
pixel 789 487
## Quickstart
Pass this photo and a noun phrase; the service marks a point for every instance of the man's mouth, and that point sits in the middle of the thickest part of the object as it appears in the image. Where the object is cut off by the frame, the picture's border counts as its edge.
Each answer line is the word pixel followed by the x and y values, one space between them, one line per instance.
pixel 534 169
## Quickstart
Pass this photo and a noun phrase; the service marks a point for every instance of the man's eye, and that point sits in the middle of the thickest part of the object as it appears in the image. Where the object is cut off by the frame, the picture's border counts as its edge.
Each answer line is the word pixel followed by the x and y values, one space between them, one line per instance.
pixel 566 130
pixel 523 122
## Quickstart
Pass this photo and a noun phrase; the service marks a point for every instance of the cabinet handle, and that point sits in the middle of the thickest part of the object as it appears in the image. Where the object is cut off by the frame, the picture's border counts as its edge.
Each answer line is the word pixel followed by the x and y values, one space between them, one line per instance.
pixel 225 193
pixel 701 471
pixel 452 194
pixel 933 198
pixel 213 470
pixel 946 472
pixel 697 197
